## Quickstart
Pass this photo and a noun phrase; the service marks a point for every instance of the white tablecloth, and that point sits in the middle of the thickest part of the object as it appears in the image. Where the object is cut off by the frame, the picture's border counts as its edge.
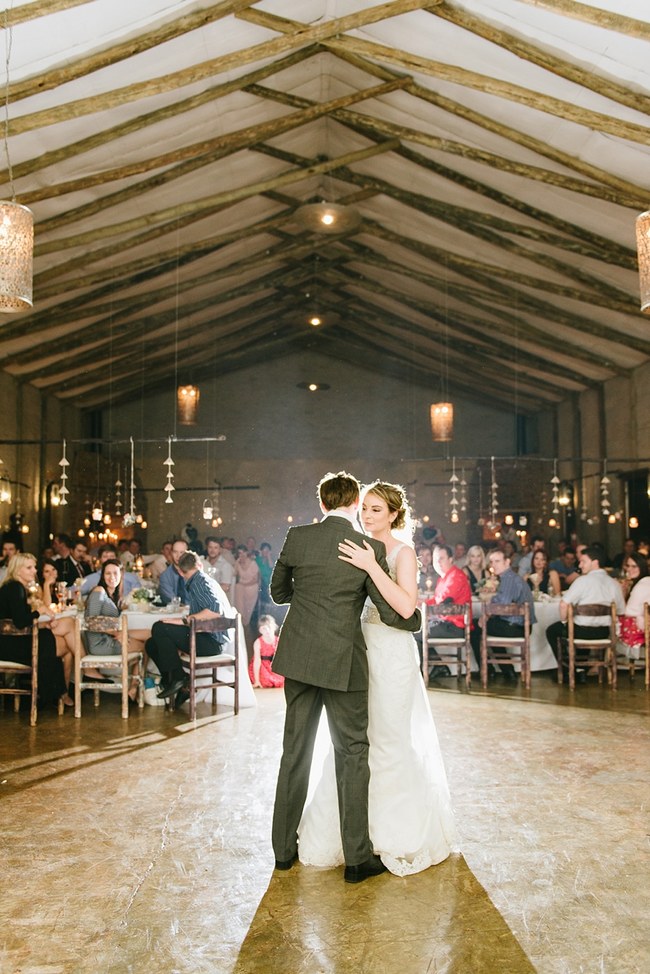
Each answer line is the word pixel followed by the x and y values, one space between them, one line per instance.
pixel 145 620
pixel 542 656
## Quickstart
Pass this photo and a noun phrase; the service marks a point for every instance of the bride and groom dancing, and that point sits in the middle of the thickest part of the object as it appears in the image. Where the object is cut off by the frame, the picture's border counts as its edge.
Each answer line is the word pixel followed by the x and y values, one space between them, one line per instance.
pixel 381 801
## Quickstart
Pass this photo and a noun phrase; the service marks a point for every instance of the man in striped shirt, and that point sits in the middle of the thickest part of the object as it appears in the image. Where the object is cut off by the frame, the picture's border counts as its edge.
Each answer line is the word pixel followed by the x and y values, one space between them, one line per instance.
pixel 206 601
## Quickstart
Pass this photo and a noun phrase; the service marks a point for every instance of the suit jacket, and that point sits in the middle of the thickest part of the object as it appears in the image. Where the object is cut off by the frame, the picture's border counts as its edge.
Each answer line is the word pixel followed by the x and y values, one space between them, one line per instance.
pixel 321 642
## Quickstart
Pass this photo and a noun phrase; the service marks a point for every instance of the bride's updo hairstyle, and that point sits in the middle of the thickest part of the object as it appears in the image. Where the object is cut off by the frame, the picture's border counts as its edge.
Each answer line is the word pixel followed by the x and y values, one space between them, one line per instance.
pixel 395 497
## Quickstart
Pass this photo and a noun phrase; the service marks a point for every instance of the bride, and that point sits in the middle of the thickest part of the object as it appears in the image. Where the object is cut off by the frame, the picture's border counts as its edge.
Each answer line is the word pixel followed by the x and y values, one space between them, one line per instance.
pixel 410 817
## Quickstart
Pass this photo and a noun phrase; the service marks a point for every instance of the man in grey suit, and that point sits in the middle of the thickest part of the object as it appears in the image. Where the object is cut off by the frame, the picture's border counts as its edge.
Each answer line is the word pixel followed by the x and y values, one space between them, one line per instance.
pixel 322 655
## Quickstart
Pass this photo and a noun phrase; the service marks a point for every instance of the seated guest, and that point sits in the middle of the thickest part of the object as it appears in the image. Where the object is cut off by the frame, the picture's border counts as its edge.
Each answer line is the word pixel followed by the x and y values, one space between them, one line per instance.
pixel 218 567
pixel 636 589
pixel 9 549
pixel 536 542
pixel 48 576
pixel 629 548
pixel 593 586
pixel 566 567
pixel 543 578
pixel 510 551
pixel 460 554
pixel 427 575
pixel 167 638
pixel 15 604
pixel 158 563
pixel 81 559
pixel 67 567
pixel 108 552
pixel 104 600
pixel 454 589
pixel 512 588
pixel 475 569
pixel 172 583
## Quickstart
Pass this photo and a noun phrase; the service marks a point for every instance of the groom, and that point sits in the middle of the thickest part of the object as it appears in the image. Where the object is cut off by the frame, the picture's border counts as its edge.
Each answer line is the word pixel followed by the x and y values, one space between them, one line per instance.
pixel 322 655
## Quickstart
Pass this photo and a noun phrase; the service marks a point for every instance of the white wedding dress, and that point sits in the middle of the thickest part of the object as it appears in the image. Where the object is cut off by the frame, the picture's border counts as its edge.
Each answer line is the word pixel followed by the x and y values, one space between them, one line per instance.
pixel 410 817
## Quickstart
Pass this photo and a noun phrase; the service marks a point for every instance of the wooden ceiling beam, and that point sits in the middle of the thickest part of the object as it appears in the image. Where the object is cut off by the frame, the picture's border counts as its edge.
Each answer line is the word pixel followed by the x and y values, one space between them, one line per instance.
pixel 170 215
pixel 607 19
pixel 236 60
pixel 533 100
pixel 602 247
pixel 534 54
pixel 489 124
pixel 470 343
pixel 474 325
pixel 105 56
pixel 182 161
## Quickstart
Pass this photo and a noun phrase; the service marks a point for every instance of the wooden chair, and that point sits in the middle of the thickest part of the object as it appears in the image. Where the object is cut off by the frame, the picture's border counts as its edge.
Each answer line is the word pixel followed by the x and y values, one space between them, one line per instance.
pixel 208 666
pixel 122 663
pixel 450 650
pixel 600 653
pixel 628 662
pixel 512 649
pixel 22 671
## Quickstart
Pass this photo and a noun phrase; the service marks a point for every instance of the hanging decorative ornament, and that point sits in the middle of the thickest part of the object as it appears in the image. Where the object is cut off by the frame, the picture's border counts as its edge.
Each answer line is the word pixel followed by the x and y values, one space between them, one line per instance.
pixel 481 519
pixel 169 463
pixel 64 463
pixel 453 504
pixel 555 481
pixel 118 493
pixel 604 491
pixel 129 517
pixel 207 509
pixel 494 500
pixel 463 491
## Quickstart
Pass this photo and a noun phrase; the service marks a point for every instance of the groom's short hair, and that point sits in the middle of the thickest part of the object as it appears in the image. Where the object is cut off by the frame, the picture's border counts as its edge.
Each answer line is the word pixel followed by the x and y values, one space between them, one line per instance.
pixel 338 490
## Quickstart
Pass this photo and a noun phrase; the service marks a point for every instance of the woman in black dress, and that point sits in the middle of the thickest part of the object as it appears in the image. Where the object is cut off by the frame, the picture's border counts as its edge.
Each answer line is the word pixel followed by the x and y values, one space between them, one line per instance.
pixel 15 604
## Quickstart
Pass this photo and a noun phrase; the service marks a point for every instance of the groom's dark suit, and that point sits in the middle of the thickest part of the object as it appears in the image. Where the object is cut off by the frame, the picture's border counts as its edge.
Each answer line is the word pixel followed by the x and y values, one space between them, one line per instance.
pixel 322 655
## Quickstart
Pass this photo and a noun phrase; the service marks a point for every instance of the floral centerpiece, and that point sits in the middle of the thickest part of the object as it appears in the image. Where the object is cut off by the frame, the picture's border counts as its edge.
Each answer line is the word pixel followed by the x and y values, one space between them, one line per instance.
pixel 142 597
pixel 487 587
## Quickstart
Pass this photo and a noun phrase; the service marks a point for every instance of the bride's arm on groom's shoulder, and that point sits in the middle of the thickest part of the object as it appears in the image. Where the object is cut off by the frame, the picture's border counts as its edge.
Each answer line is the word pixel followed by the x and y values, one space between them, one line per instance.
pixel 400 595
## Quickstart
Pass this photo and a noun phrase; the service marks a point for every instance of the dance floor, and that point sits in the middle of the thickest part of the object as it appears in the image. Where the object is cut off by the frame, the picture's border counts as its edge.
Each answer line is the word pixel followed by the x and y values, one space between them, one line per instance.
pixel 142 846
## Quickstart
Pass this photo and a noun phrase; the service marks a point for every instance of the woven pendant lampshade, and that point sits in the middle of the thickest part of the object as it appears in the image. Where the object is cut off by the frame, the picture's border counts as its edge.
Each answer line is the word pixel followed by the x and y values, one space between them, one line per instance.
pixel 16 256
pixel 442 421
pixel 643 251
pixel 187 404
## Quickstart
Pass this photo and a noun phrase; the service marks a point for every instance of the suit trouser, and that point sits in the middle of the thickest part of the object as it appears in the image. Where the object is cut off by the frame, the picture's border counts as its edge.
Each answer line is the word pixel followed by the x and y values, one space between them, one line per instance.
pixel 167 639
pixel 347 717
pixel 560 630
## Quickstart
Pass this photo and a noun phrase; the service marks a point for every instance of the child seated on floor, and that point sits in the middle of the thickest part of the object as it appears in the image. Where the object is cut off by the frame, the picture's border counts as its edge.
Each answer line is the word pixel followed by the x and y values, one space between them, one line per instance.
pixel 259 668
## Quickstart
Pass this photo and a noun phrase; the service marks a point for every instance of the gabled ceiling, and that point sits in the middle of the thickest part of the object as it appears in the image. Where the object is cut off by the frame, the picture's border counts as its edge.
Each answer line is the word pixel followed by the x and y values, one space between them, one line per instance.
pixel 497 152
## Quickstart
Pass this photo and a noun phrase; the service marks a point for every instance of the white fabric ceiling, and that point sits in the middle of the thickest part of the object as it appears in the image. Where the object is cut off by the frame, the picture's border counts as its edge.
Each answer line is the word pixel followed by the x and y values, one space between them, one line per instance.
pixel 165 147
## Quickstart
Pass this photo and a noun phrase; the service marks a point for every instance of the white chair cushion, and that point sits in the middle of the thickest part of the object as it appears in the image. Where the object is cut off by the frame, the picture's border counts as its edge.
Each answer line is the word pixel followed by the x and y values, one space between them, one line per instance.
pixel 14 666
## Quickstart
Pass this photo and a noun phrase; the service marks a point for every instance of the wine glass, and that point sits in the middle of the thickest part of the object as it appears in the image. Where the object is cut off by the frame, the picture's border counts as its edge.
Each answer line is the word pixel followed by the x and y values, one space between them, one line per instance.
pixel 61 594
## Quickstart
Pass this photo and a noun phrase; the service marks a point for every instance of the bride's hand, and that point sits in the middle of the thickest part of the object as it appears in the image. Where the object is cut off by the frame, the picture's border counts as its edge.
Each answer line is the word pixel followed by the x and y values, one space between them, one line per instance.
pixel 363 558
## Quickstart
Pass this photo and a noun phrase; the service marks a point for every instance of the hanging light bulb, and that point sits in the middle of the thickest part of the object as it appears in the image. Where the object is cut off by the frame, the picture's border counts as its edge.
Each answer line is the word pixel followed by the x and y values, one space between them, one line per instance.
pixel 187 401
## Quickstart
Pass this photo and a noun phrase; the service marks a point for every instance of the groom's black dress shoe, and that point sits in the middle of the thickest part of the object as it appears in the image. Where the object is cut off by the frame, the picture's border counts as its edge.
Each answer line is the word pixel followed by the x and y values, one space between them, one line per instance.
pixel 286 863
pixel 371 867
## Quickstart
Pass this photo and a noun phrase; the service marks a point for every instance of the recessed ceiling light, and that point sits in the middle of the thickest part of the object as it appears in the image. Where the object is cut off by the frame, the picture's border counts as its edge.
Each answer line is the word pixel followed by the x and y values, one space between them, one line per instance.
pixel 313 386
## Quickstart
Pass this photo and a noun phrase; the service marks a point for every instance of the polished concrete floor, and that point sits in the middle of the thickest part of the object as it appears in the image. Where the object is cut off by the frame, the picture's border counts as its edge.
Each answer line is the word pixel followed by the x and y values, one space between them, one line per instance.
pixel 143 846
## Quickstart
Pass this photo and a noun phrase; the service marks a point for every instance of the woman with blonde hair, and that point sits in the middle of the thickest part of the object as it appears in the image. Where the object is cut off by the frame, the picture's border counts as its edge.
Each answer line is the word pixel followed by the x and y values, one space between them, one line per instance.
pixel 17 594
pixel 410 818
pixel 475 568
